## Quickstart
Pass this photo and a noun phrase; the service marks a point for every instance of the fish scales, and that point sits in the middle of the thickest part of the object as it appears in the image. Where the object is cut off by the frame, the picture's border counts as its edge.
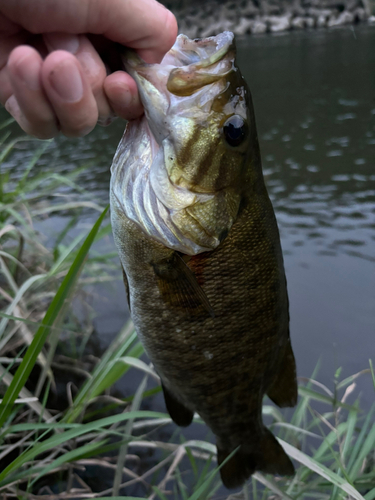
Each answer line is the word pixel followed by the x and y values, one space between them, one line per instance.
pixel 211 309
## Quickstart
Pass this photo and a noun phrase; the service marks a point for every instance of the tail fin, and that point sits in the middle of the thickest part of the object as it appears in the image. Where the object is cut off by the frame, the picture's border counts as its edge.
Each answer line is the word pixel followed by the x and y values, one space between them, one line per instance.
pixel 267 456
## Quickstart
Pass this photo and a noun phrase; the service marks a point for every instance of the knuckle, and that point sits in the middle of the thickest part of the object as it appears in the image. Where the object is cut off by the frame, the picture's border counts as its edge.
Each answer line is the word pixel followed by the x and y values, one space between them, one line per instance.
pixel 42 128
pixel 80 127
pixel 45 134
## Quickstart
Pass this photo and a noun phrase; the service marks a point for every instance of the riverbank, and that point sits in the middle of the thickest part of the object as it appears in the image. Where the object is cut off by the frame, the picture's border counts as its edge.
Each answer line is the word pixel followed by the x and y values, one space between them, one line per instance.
pixel 270 16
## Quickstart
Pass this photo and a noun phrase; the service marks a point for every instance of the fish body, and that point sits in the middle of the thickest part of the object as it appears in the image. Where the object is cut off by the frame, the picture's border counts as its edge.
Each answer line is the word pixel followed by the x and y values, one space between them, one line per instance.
pixel 200 249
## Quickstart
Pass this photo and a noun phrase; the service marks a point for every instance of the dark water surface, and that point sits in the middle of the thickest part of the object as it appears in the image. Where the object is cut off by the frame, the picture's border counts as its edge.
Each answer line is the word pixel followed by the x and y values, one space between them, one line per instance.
pixel 314 97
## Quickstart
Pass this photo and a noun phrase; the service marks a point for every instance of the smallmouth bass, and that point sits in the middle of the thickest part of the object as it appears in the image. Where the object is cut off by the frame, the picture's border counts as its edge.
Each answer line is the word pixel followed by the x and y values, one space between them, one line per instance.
pixel 200 250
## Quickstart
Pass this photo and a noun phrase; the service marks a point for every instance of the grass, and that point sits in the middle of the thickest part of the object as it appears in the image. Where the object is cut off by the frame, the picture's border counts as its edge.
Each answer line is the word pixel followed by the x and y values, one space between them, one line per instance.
pixel 51 451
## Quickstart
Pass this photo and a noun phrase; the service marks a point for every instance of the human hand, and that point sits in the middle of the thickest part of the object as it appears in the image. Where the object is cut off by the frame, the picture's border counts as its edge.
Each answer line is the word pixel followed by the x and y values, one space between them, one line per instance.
pixel 52 77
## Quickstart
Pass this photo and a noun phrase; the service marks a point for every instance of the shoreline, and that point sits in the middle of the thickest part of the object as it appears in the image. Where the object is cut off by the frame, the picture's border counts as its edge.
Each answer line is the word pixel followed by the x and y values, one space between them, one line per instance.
pixel 272 16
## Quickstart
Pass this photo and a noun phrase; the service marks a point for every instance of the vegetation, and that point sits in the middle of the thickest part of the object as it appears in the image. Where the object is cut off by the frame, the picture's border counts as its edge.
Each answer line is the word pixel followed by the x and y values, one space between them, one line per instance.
pixel 58 447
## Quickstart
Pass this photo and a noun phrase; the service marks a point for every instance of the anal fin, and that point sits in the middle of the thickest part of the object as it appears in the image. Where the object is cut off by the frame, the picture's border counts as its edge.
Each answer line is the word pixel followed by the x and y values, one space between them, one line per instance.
pixel 180 415
pixel 284 389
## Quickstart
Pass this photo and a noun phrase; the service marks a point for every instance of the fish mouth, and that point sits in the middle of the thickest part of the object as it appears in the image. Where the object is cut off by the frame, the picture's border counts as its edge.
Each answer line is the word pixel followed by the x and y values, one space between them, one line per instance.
pixel 179 83
pixel 185 71
pixel 188 66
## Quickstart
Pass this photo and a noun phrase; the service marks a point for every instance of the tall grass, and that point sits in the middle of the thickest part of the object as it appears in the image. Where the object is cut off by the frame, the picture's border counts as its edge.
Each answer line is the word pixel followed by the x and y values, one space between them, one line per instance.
pixel 46 451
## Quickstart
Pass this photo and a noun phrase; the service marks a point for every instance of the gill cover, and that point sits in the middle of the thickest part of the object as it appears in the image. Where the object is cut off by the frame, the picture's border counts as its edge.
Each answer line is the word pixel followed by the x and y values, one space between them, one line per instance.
pixel 179 171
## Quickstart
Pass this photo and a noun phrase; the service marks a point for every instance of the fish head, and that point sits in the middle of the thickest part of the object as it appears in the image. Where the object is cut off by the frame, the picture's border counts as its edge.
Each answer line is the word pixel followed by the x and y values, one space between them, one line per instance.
pixel 201 137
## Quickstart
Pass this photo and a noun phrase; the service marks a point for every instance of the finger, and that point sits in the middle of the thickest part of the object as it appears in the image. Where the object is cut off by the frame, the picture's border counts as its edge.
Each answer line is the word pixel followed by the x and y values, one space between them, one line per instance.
pixel 69 93
pixel 153 46
pixel 141 24
pixel 90 62
pixel 122 93
pixel 24 69
pixel 7 44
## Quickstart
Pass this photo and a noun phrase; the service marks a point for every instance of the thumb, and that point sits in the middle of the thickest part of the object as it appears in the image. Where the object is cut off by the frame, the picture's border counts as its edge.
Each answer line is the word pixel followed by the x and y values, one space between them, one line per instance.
pixel 144 25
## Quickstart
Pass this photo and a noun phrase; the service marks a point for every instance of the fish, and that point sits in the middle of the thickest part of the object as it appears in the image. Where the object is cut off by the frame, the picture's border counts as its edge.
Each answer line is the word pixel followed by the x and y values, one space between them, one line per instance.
pixel 200 250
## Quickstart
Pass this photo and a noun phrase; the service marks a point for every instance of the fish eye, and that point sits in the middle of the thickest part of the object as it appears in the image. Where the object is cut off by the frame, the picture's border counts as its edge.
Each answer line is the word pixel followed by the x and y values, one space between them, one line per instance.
pixel 234 130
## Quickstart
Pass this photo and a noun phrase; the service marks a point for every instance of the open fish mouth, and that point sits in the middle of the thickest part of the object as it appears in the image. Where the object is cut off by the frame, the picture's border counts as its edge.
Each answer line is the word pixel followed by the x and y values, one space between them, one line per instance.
pixel 152 179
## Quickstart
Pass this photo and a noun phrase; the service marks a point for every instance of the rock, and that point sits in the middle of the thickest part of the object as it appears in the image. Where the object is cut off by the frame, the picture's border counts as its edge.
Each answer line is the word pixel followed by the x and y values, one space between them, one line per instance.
pixel 250 10
pixel 334 4
pixel 298 11
pixel 270 7
pixel 353 4
pixel 229 14
pixel 298 23
pixel 207 17
pixel 245 26
pixel 313 12
pixel 321 21
pixel 360 15
pixel 310 22
pixel 344 18
pixel 279 23
pixel 258 27
pixel 216 28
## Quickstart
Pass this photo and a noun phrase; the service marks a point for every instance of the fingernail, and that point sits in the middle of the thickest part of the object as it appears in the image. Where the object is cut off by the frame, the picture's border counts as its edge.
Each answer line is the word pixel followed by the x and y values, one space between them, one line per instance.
pixel 11 105
pixel 105 121
pixel 62 41
pixel 67 82
pixel 13 108
pixel 28 72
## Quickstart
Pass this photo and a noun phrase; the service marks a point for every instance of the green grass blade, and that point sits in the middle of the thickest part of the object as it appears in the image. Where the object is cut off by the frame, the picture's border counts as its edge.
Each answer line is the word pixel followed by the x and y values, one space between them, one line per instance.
pixel 159 493
pixel 38 153
pixel 272 485
pixel 366 448
pixel 352 420
pixel 70 456
pixel 192 460
pixel 41 335
pixel 107 371
pixel 25 286
pixel 304 391
pixel 209 478
pixel 6 123
pixel 359 441
pixel 320 469
pixel 127 432
pixel 61 438
pixel 372 372
pixel 370 495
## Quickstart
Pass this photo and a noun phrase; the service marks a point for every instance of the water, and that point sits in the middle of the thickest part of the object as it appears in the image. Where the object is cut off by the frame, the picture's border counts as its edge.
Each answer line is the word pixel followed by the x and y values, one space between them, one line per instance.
pixel 314 97
pixel 315 108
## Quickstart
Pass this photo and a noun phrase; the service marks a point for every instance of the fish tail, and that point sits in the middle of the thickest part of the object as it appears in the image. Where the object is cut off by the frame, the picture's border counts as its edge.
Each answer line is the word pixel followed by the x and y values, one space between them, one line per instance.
pixel 268 456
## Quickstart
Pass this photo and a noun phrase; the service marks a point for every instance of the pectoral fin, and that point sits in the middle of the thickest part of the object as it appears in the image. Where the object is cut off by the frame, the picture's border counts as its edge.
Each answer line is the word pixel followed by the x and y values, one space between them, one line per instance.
pixel 180 415
pixel 180 287
pixel 284 390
